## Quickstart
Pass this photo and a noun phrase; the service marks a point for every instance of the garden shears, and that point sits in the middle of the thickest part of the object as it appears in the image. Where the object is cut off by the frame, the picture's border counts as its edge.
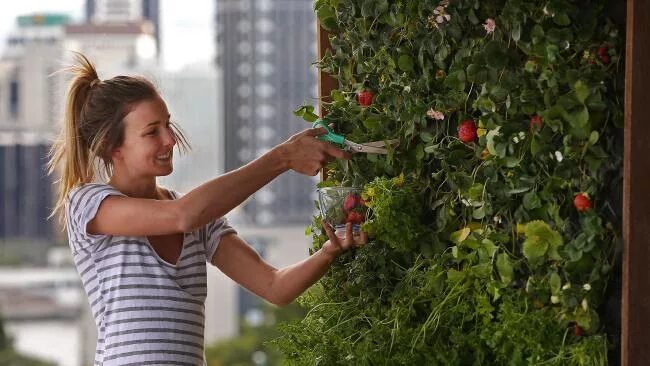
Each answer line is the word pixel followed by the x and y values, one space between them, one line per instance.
pixel 373 147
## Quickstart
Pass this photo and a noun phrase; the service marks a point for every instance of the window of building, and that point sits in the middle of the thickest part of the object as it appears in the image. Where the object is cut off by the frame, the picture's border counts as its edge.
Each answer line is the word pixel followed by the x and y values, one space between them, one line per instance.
pixel 14 90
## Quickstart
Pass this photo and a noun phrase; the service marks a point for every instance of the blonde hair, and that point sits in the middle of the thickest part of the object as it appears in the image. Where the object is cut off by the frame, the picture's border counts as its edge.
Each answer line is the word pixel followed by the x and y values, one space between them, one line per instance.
pixel 93 125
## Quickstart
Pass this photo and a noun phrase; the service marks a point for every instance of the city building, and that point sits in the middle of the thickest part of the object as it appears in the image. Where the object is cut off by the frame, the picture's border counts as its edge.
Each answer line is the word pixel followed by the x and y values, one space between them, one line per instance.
pixel 27 120
pixel 190 94
pixel 265 50
pixel 125 11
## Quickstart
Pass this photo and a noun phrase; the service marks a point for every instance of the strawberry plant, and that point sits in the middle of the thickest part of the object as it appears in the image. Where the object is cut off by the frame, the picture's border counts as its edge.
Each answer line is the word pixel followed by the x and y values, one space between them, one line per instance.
pixel 493 231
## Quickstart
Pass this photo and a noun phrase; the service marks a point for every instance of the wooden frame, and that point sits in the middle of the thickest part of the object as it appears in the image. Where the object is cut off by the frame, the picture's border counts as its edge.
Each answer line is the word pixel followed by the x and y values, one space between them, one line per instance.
pixel 635 305
pixel 635 302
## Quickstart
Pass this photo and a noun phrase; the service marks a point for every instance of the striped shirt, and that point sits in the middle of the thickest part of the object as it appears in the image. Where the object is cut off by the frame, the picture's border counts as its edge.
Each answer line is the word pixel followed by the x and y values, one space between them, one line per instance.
pixel 147 311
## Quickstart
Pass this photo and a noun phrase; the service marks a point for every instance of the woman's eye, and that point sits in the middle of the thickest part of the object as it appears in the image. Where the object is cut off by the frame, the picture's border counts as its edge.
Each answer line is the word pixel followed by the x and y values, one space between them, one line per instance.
pixel 153 132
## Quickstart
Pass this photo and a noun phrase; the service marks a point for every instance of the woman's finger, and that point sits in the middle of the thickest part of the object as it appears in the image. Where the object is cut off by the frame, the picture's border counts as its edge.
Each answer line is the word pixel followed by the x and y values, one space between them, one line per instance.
pixel 349 238
pixel 328 231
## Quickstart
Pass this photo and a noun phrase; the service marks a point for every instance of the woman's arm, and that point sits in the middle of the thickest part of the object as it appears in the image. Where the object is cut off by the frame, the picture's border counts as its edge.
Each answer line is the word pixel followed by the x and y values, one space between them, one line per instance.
pixel 241 263
pixel 138 216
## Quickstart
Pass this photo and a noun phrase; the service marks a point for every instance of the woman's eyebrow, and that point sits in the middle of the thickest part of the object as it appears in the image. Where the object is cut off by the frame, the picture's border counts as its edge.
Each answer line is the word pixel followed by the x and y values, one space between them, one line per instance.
pixel 156 122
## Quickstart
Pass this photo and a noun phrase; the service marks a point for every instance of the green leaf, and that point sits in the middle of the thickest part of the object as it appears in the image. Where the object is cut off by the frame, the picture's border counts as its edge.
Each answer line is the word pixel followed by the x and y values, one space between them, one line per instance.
pixel 455 276
pixel 495 57
pixel 534 249
pixel 327 17
pixel 579 122
pixel 475 192
pixel 373 8
pixel 556 283
pixel 486 105
pixel 306 112
pixel 551 53
pixel 498 93
pixel 405 63
pixel 476 73
pixel 479 213
pixel 540 241
pixel 562 19
pixel 593 137
pixel 535 146
pixel 581 90
pixel 542 230
pixel 504 267
pixel 460 235
pixel 531 201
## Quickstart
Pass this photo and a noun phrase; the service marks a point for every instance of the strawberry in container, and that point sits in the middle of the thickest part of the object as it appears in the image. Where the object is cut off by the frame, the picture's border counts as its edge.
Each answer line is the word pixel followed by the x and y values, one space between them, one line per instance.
pixel 340 205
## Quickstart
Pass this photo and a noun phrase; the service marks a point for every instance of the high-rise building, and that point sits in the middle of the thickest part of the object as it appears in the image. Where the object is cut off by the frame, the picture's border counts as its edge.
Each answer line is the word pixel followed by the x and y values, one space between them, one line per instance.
pixel 125 11
pixel 190 94
pixel 27 119
pixel 265 50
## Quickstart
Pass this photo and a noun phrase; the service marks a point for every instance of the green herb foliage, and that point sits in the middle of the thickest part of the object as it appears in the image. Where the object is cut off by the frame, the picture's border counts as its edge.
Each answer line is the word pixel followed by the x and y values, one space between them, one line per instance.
pixel 478 255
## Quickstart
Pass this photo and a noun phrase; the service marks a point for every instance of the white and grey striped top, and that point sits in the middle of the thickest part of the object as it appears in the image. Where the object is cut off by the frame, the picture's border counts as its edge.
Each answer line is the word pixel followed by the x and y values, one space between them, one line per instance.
pixel 147 311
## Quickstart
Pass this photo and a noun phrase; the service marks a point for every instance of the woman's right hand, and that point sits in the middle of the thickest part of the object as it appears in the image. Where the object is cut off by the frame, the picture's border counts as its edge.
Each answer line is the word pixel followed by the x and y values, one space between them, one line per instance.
pixel 307 155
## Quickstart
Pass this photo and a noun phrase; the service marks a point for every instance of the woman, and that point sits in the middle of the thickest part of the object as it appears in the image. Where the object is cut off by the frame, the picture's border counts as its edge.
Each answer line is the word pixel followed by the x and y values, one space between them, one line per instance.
pixel 141 250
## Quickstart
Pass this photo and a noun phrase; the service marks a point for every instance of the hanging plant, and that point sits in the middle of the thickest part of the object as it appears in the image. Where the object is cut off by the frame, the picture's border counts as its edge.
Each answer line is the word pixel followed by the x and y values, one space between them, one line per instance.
pixel 492 232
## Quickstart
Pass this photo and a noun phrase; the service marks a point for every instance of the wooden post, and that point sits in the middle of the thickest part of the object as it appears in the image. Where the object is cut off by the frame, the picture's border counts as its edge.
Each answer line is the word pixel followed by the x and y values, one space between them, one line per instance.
pixel 635 311
pixel 326 83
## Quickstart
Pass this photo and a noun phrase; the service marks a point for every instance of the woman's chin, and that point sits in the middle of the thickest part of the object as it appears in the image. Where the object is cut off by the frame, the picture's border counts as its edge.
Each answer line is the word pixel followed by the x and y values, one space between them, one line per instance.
pixel 165 171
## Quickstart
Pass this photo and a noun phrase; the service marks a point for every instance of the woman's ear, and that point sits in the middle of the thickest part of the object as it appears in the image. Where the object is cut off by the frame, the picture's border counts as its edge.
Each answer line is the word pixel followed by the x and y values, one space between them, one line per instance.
pixel 116 154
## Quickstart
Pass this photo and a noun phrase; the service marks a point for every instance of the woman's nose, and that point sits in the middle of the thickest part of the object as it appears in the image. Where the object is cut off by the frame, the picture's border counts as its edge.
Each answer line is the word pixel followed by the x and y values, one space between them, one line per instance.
pixel 169 137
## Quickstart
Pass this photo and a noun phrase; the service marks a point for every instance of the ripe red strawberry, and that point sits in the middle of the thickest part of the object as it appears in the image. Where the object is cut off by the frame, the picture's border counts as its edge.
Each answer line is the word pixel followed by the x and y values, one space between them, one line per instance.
pixel 536 122
pixel 351 201
pixel 354 217
pixel 604 59
pixel 364 98
pixel 577 331
pixel 602 54
pixel 582 202
pixel 467 131
pixel 603 49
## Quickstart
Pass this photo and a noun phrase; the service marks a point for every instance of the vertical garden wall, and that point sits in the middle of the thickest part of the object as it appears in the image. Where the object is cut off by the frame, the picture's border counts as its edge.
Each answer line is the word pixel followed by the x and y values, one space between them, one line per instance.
pixel 493 235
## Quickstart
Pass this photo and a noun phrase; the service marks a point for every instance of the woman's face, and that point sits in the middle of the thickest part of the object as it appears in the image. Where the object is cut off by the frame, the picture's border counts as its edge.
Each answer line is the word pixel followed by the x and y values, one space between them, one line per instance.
pixel 147 150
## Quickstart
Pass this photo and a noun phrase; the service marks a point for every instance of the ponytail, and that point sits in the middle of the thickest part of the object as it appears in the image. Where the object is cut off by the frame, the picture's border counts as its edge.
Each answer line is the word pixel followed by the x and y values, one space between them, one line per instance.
pixel 71 151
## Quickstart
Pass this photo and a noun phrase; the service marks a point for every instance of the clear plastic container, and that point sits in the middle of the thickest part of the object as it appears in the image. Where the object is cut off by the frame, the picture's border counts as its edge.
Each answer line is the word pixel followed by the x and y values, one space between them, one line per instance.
pixel 340 205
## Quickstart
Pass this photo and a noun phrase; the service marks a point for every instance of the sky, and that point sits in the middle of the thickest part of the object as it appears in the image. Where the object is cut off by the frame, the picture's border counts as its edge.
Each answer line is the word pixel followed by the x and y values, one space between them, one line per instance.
pixel 187 31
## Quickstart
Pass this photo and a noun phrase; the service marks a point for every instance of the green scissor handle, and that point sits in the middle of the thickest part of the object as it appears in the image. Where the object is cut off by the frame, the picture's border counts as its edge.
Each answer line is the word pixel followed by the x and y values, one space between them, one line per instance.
pixel 330 136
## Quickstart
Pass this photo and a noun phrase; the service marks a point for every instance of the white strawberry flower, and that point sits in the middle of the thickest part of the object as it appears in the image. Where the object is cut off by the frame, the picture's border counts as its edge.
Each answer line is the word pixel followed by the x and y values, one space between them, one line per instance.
pixel 586 287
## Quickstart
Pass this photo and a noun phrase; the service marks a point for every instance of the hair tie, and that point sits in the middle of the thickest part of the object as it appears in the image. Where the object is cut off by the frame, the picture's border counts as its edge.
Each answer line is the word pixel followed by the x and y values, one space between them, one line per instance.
pixel 94 82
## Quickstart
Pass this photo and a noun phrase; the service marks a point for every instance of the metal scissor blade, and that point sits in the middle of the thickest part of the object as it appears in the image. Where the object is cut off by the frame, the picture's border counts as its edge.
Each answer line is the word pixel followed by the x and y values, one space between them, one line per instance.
pixel 382 143
pixel 364 148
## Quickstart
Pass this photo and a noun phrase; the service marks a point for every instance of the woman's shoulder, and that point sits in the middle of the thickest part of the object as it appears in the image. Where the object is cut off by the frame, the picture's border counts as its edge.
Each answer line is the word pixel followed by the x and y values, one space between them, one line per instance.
pixel 86 190
pixel 171 193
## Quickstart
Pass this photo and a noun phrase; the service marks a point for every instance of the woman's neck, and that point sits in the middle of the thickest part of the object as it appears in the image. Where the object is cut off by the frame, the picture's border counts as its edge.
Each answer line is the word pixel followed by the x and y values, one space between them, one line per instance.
pixel 144 188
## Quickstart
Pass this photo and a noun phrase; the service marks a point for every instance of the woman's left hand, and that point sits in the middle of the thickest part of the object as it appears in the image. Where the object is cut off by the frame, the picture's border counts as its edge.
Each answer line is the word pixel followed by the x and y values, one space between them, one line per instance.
pixel 337 245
